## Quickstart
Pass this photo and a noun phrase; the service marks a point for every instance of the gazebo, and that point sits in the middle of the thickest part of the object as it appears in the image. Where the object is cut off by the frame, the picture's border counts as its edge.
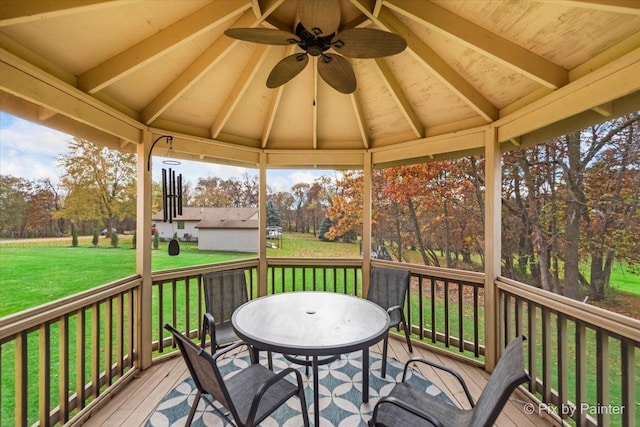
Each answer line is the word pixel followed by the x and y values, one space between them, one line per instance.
pixel 477 77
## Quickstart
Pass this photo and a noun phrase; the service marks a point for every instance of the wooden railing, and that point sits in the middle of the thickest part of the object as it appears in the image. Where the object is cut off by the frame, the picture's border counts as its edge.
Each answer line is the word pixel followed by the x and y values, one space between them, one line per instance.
pixel 66 356
pixel 583 361
pixel 63 355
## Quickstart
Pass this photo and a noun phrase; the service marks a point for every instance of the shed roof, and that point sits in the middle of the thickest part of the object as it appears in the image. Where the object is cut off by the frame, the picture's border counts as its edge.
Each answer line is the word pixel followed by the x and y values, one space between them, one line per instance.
pixel 217 217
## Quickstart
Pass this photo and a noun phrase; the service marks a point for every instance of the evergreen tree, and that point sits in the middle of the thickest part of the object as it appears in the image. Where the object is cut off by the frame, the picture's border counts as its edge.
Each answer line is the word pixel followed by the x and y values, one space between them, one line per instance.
pixel 133 241
pixel 95 239
pixel 74 237
pixel 273 216
pixel 156 240
pixel 114 239
pixel 325 225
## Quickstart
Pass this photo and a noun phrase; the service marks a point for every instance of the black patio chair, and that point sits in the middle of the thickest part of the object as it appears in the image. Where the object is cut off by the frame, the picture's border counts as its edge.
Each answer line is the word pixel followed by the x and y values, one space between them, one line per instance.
pixel 388 289
pixel 250 395
pixel 407 406
pixel 224 292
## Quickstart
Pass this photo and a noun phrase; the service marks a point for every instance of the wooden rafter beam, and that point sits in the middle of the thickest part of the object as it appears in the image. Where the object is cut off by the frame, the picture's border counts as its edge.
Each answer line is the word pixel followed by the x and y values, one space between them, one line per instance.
pixel 360 119
pixel 209 58
pixel 400 98
pixel 477 38
pixel 143 53
pixel 439 67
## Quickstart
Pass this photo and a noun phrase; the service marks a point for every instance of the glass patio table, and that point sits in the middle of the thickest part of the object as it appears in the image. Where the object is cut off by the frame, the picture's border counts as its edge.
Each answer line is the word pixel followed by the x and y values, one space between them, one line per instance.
pixel 313 325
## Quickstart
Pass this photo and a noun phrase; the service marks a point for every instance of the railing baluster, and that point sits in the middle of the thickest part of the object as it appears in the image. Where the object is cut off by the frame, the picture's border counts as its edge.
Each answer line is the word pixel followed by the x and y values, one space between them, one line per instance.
pixel 120 334
pixel 22 385
pixel 581 371
pixel 446 313
pixel 546 354
pixel 561 362
pixel 44 373
pixel 602 375
pixel 476 325
pixel 434 328
pixel 628 373
pixel 420 307
pixel 63 368
pixel 460 318
pixel 95 350
pixel 533 338
pixel 80 357
pixel 108 340
pixel 187 304
pixel 160 317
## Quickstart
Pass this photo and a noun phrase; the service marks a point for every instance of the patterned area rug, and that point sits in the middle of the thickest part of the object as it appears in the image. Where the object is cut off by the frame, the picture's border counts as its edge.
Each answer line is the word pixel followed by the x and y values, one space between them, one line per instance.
pixel 340 394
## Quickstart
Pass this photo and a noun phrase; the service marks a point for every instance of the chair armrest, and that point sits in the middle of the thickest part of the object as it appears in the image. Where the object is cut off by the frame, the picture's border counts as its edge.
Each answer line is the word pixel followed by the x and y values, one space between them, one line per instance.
pixel 264 387
pixel 393 308
pixel 208 325
pixel 225 350
pixel 442 368
pixel 391 400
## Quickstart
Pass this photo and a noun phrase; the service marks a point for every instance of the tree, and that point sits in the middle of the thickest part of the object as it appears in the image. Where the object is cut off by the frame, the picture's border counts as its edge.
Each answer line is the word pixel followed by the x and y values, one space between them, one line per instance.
pixel 114 239
pixel 13 205
pixel 273 217
pixel 95 238
pixel 100 183
pixel 74 237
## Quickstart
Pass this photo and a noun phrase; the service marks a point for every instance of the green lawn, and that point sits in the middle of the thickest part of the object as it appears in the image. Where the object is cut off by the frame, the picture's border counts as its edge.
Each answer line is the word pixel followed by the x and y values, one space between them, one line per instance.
pixel 35 272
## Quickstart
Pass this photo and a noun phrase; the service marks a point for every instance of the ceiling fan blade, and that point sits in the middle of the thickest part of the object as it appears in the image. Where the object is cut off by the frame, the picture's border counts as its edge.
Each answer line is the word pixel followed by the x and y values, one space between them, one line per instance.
pixel 323 15
pixel 262 35
pixel 337 72
pixel 368 43
pixel 287 69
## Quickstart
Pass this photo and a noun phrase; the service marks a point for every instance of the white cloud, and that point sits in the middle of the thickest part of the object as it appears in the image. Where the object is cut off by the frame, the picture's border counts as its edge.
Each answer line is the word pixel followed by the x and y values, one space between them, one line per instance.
pixel 30 151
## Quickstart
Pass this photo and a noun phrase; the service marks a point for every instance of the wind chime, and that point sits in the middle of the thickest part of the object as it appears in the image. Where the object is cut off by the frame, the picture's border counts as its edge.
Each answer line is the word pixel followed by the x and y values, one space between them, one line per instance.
pixel 171 191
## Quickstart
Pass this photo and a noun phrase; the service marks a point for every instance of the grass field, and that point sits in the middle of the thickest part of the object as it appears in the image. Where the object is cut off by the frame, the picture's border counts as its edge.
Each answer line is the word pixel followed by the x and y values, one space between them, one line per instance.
pixel 33 273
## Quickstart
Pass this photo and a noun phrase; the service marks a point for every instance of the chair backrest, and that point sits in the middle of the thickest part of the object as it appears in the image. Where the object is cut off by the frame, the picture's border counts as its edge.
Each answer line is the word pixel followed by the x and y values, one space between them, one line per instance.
pixel 508 374
pixel 388 287
pixel 224 291
pixel 203 369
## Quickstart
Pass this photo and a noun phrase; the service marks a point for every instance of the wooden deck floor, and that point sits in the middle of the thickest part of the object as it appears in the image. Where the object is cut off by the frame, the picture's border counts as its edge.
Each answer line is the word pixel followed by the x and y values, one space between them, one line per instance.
pixel 133 405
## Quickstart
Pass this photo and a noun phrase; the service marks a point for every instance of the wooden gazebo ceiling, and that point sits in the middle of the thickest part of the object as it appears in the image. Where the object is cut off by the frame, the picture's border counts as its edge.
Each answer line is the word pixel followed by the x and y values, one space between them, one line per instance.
pixel 106 70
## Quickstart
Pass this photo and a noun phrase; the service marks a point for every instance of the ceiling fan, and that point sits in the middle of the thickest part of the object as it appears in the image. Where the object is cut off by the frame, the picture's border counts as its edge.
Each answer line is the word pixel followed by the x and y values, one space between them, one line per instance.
pixel 315 34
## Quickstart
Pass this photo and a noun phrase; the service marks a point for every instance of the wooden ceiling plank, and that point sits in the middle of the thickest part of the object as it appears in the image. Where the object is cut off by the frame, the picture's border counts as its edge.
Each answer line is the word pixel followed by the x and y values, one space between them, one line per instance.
pixel 183 31
pixel 617 6
pixel 215 53
pixel 401 99
pixel 242 83
pixel 475 37
pixel 273 108
pixel 15 12
pixel 440 69
pixel 314 107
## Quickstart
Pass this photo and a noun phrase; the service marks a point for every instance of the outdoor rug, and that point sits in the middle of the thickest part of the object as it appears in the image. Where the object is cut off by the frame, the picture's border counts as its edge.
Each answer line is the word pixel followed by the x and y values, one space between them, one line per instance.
pixel 340 394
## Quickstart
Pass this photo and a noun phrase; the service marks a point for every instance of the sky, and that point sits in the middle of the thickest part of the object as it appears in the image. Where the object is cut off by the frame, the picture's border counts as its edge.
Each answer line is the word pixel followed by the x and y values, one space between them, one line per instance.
pixel 21 157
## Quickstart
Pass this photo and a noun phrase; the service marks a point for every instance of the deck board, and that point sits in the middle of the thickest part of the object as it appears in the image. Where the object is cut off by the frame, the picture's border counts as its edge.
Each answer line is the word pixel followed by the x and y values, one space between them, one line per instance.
pixel 133 405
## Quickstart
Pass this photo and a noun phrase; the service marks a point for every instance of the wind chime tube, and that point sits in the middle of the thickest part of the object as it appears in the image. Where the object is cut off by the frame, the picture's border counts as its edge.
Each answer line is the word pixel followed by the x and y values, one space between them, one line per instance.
pixel 170 197
pixel 164 195
pixel 174 193
pixel 180 194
